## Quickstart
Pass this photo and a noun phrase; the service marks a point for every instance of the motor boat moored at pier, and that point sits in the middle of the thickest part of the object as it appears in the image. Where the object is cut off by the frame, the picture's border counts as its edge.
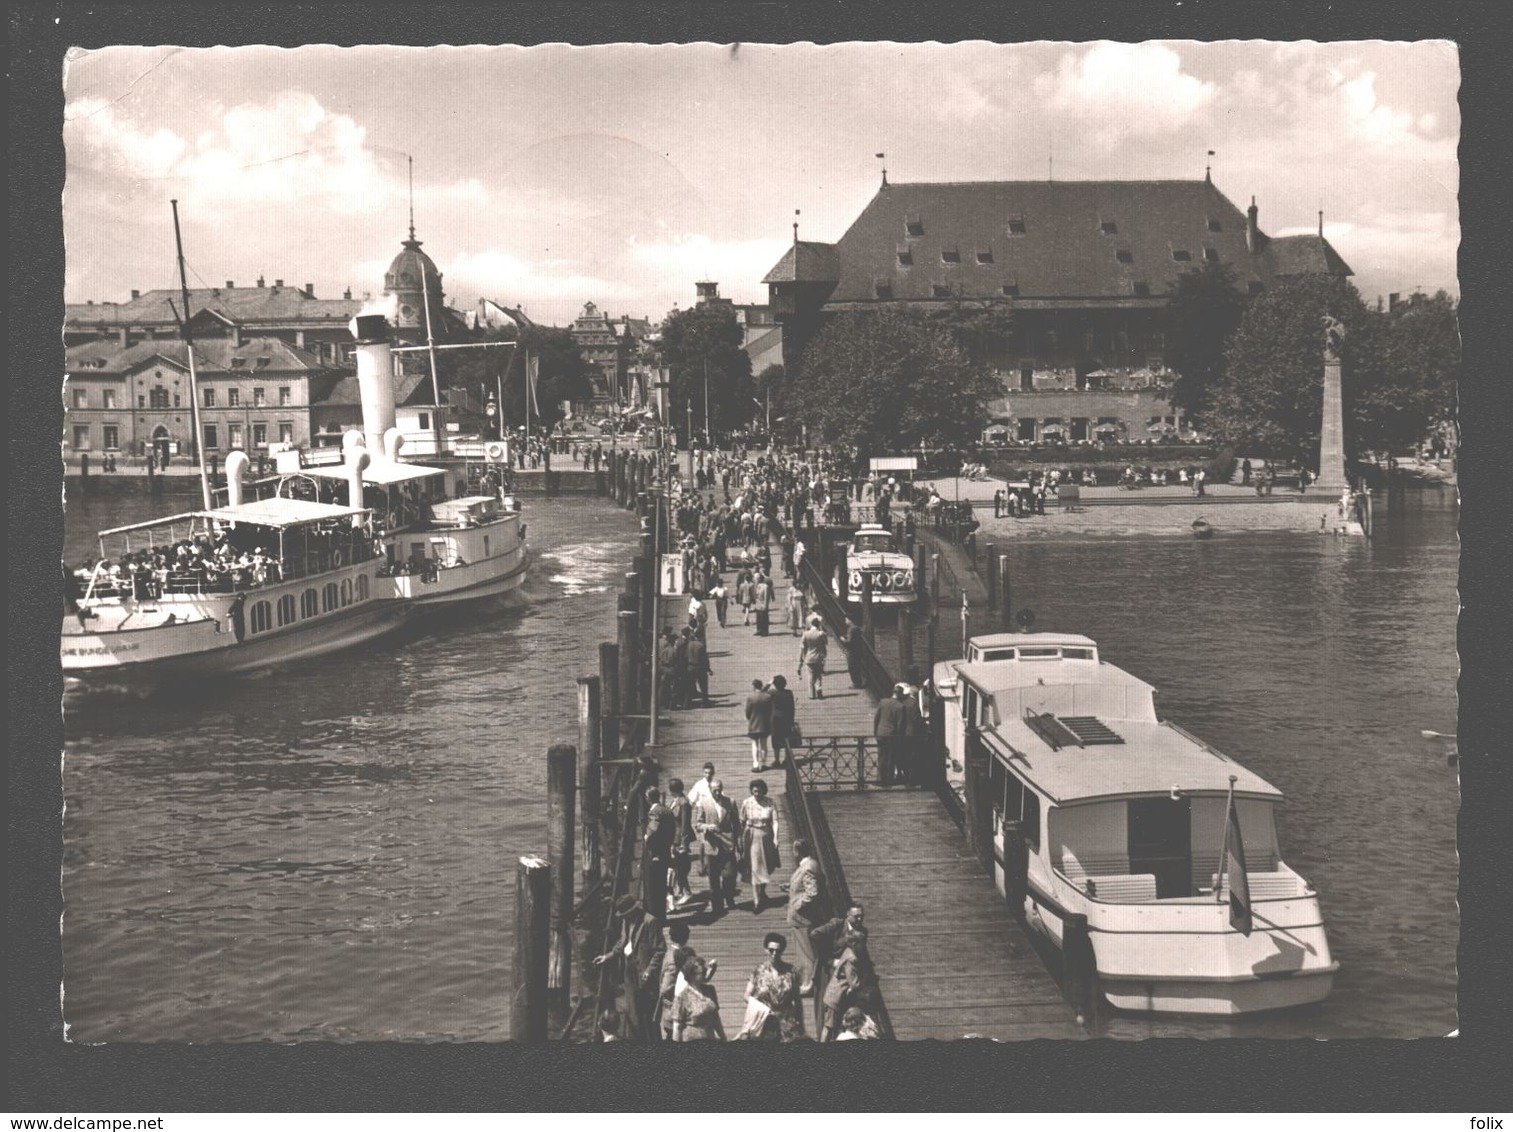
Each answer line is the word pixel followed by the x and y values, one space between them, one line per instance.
pixel 1111 820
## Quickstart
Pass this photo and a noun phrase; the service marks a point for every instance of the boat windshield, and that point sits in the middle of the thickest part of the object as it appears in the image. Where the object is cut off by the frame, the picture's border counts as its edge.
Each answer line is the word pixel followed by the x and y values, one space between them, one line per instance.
pixel 874 544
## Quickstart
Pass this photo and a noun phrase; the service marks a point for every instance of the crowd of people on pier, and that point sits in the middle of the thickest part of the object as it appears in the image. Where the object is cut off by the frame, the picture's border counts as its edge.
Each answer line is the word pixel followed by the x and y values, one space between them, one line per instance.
pixel 668 991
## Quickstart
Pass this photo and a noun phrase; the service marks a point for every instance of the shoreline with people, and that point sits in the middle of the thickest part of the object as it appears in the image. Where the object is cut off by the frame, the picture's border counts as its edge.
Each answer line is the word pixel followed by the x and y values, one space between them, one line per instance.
pixel 1116 512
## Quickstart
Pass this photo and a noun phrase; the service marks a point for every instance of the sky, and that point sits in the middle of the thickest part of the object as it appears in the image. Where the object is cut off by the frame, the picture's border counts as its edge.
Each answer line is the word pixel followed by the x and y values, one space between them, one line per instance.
pixel 550 176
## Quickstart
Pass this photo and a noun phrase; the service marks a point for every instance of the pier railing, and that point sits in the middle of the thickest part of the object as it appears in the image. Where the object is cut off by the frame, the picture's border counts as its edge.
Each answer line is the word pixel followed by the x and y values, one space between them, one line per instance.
pixel 810 824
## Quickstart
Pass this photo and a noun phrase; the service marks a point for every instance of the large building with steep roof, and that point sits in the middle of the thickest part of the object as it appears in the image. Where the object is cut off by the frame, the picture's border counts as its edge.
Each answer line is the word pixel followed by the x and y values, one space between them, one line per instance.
pixel 1084 272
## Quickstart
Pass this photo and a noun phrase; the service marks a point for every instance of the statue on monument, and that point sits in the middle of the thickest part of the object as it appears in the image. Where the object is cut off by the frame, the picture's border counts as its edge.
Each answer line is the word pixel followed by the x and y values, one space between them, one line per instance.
pixel 1334 337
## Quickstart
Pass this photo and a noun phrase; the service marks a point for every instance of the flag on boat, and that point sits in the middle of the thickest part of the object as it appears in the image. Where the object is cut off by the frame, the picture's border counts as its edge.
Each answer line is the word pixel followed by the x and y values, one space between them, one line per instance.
pixel 532 375
pixel 1239 883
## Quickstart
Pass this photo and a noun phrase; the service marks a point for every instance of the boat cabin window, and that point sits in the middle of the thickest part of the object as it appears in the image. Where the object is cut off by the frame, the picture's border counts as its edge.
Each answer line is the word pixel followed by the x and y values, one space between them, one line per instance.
pixel 1040 652
pixel 1077 654
pixel 873 543
pixel 995 654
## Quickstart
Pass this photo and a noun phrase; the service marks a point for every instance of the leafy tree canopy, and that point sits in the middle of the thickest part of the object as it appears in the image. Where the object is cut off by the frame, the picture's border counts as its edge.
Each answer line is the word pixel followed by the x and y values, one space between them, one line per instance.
pixel 1204 312
pixel 888 380
pixel 1404 367
pixel 708 339
pixel 1270 395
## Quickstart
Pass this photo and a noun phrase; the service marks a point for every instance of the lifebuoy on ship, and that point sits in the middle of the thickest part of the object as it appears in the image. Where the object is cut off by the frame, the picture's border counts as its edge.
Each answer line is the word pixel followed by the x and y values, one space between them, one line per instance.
pixel 856 581
pixel 336 558
pixel 898 579
pixel 494 450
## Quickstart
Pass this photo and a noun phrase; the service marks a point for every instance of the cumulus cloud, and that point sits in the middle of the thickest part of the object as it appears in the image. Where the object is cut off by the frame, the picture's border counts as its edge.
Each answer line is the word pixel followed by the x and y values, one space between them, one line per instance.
pixel 1141 84
pixel 285 149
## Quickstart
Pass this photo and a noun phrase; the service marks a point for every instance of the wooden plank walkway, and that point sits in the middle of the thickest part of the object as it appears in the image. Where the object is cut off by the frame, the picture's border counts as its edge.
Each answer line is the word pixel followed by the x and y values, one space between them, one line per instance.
pixel 717 734
pixel 951 959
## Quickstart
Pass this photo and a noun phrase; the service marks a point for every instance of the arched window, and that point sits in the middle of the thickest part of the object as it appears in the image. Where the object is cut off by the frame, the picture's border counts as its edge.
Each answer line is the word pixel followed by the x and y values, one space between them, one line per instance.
pixel 329 598
pixel 286 609
pixel 262 616
pixel 346 591
pixel 307 604
pixel 362 587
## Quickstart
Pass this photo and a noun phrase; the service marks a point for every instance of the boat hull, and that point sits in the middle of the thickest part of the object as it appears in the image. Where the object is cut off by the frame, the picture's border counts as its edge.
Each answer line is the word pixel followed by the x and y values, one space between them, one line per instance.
pixel 197 635
pixel 456 585
pixel 1183 957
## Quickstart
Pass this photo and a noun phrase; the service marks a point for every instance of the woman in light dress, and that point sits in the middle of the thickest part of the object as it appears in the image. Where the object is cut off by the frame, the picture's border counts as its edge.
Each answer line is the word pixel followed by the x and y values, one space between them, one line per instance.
pixel 759 847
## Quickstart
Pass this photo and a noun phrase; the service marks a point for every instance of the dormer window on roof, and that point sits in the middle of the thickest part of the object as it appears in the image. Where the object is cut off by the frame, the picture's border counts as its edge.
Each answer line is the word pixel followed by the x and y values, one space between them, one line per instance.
pixel 905 258
pixel 985 255
pixel 1011 289
pixel 1124 255
pixel 1256 287
pixel 950 255
pixel 1211 254
pixel 883 290
pixel 914 226
pixel 1017 226
pixel 1182 255
pixel 1141 288
pixel 1109 228
pixel 264 361
pixel 1215 225
pixel 940 291
pixel 238 363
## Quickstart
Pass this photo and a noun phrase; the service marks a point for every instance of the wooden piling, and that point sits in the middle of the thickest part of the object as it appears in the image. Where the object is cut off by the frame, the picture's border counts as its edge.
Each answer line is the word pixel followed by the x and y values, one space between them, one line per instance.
pixel 590 751
pixel 609 706
pixel 1006 604
pixel 630 690
pixel 561 802
pixel 528 972
pixel 992 575
pixel 930 629
pixel 934 589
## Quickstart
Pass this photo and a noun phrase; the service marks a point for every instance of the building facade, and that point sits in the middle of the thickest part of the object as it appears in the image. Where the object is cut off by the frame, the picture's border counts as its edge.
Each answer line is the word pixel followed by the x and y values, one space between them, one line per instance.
pixel 135 400
pixel 1070 282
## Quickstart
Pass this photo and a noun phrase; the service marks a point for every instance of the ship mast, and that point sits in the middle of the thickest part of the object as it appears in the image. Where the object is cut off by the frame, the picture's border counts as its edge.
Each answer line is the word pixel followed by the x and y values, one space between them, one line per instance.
pixel 194 389
pixel 425 290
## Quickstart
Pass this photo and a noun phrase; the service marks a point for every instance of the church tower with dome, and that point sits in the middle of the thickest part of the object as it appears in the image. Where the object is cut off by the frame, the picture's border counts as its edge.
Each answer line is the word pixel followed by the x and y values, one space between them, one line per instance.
pixel 414 282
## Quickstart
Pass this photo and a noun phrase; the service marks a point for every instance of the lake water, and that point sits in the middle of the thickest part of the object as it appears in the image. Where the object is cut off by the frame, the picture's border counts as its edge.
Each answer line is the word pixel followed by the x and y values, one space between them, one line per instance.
pixel 328 852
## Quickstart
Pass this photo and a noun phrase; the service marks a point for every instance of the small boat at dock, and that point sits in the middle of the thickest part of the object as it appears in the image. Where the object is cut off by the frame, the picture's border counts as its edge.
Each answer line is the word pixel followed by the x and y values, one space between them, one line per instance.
pixel 1156 851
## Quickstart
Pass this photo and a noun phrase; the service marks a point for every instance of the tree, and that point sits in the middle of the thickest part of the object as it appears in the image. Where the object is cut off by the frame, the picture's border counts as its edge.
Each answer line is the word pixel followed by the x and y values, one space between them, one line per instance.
pixel 888 380
pixel 1204 312
pixel 707 340
pixel 1403 378
pixel 1269 398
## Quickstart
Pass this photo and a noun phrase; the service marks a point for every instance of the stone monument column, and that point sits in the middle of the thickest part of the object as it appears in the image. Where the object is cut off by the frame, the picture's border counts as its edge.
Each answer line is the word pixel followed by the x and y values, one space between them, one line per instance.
pixel 1332 426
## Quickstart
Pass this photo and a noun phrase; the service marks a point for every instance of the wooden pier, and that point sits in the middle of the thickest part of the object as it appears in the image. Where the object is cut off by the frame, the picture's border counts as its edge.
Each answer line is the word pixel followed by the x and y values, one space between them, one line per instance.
pixel 951 960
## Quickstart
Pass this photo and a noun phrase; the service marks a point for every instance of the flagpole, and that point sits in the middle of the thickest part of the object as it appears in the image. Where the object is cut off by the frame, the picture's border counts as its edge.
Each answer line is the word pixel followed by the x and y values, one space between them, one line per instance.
pixel 1229 804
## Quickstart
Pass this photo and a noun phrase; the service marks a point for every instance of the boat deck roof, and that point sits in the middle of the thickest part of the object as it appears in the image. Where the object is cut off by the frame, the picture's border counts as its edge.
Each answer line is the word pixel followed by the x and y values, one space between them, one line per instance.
pixel 1154 758
pixel 275 512
pixel 380 472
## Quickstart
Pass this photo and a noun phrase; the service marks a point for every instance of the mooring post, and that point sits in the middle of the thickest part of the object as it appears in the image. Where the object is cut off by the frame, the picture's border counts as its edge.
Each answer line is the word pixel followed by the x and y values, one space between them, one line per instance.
pixel 919 571
pixel 930 649
pixel 533 903
pixel 561 801
pixel 609 692
pixel 630 692
pixel 992 574
pixel 590 751
pixel 1003 593
pixel 934 588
